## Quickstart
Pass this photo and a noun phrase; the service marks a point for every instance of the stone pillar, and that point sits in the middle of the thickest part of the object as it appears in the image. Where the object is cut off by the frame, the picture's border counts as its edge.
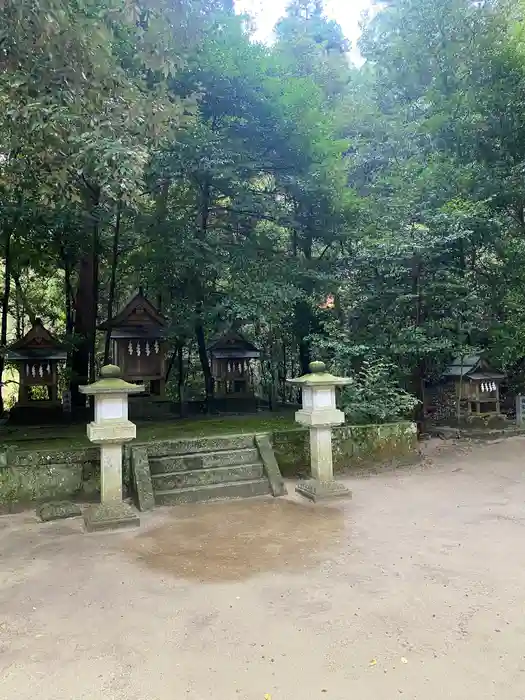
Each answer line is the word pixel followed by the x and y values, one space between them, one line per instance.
pixel 54 387
pixel 319 412
pixel 110 429
pixel 321 453
pixel 110 473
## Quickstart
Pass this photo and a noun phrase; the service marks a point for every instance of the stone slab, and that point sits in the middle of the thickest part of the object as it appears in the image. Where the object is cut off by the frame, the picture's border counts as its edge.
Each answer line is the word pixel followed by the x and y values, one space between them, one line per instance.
pixel 142 482
pixel 185 446
pixel 322 490
pixel 204 477
pixel 110 516
pixel 271 467
pixel 58 510
pixel 112 431
pixel 214 492
pixel 223 458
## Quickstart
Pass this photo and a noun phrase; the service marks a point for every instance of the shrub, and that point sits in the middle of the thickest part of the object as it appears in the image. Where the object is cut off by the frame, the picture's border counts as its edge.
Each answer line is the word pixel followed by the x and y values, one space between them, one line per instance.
pixel 375 396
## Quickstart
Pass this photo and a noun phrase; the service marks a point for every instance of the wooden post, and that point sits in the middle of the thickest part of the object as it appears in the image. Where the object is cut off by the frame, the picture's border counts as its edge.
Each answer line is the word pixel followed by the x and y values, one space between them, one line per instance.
pixel 520 409
pixel 23 396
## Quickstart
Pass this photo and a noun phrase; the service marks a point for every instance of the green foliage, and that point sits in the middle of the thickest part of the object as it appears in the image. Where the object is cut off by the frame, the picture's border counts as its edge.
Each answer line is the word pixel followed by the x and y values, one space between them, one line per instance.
pixel 155 144
pixel 375 396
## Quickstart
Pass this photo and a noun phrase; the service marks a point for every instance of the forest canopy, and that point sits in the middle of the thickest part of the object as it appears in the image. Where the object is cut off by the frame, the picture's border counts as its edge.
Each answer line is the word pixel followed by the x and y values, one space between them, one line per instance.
pixel 371 216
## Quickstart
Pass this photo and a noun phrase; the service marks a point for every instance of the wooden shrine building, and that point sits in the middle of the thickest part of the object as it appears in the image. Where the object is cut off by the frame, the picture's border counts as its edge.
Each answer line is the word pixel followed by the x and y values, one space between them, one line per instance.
pixel 477 386
pixel 138 343
pixel 232 360
pixel 36 356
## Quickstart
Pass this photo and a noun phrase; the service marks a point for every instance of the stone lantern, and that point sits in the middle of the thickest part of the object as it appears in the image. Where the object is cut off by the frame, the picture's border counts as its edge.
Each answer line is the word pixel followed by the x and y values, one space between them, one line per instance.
pixel 319 412
pixel 110 429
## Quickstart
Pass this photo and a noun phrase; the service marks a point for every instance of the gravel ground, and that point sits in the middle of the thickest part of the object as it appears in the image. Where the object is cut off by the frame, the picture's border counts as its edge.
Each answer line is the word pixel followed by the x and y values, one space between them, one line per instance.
pixel 413 589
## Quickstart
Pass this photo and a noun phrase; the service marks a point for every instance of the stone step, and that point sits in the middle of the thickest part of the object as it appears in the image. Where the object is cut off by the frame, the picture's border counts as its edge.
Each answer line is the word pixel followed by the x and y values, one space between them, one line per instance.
pixel 203 477
pixel 188 446
pixel 213 492
pixel 204 460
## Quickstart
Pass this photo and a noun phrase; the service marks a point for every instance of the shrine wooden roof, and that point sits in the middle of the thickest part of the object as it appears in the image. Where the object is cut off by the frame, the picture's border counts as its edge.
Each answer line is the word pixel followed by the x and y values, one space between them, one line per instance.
pixel 37 344
pixel 474 367
pixel 138 318
pixel 233 344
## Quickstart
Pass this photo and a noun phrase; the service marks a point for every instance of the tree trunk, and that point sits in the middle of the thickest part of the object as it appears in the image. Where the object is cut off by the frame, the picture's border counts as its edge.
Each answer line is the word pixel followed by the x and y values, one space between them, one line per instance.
pixel 86 301
pixel 201 231
pixel 304 356
pixel 203 357
pixel 68 295
pixel 19 316
pixel 81 329
pixel 23 299
pixel 94 284
pixel 5 308
pixel 305 321
pixel 284 373
pixel 419 370
pixel 180 379
pixel 113 281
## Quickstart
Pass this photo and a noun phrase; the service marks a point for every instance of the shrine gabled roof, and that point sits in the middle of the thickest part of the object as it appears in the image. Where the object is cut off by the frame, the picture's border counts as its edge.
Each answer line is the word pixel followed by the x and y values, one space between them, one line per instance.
pixel 233 344
pixel 37 344
pixel 36 354
pixel 487 375
pixel 138 312
pixel 472 366
pixel 462 366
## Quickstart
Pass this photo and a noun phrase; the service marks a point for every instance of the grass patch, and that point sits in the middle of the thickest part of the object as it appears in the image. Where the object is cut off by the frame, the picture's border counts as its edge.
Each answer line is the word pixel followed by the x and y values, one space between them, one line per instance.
pixel 74 436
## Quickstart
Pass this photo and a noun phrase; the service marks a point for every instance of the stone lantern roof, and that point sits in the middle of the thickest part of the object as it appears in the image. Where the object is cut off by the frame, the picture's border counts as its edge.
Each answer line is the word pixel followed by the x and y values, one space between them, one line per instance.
pixel 318 376
pixel 110 382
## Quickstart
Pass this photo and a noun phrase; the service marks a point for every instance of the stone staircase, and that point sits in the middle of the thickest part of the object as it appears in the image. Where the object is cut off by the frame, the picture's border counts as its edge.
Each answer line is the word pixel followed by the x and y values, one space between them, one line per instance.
pixel 207 469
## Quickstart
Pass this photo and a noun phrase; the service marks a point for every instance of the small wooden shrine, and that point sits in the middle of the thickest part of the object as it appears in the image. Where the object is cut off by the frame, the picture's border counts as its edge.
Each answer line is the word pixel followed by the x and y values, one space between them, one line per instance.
pixel 138 343
pixel 477 386
pixel 232 358
pixel 36 357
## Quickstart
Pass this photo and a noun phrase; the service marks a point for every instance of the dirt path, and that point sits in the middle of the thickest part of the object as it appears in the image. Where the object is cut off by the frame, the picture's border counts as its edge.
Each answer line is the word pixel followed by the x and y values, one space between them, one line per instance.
pixel 414 589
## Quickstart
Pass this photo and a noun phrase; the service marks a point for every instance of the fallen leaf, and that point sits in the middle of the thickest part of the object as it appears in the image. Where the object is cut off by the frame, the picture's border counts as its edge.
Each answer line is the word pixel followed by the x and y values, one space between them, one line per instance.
pixel 373 662
pixel 267 696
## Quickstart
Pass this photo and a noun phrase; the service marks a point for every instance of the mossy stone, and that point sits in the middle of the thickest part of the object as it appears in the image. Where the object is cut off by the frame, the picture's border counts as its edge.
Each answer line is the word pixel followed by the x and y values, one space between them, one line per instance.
pixel 58 510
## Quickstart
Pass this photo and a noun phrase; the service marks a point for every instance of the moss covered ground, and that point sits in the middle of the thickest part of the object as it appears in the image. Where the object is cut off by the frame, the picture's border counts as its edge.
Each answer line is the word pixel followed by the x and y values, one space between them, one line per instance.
pixel 61 437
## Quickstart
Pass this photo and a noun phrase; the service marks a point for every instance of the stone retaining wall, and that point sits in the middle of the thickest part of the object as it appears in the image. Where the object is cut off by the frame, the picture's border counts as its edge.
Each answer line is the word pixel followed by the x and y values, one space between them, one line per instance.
pixel 44 475
pixel 353 446
pixel 51 474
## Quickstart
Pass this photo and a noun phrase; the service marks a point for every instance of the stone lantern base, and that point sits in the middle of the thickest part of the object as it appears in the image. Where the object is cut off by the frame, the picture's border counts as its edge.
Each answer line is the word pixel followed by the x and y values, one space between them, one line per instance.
pixel 110 516
pixel 320 490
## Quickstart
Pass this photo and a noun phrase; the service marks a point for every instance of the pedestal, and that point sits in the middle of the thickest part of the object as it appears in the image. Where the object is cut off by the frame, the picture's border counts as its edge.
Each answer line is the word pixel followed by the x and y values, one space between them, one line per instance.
pixel 316 490
pixel 111 513
pixel 322 485
pixel 321 453
pixel 110 473
pixel 110 516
